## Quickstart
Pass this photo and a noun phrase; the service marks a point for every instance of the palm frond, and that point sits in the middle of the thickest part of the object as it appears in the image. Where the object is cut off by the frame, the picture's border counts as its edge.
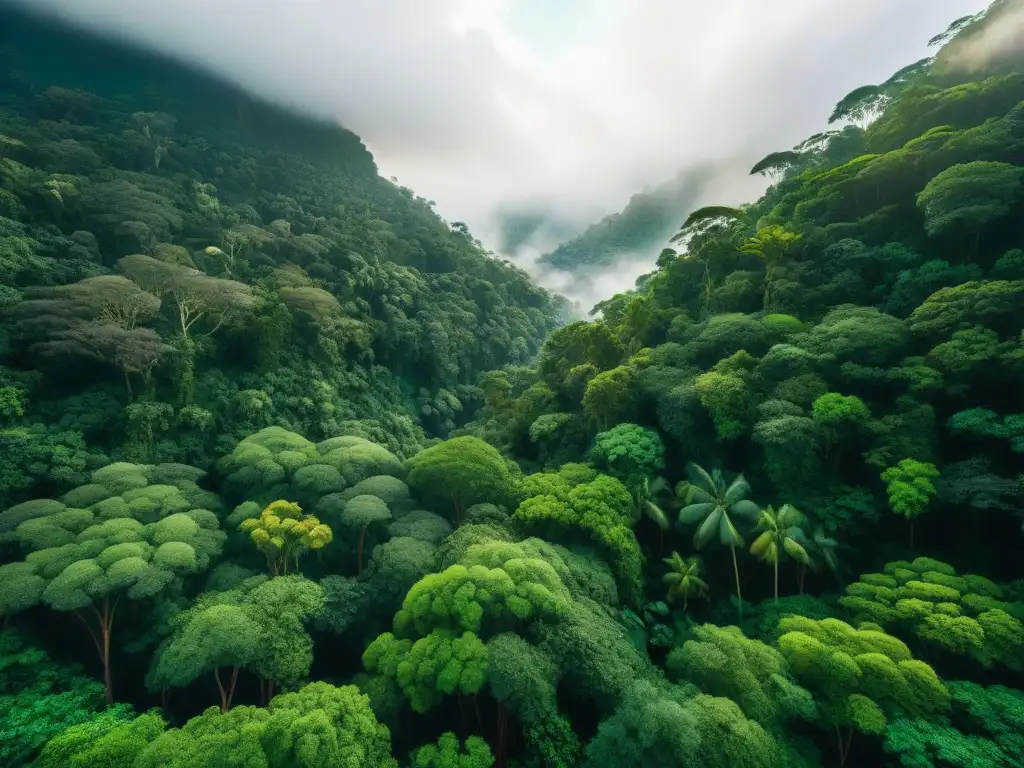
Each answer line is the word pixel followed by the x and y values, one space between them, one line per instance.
pixel 694 513
pixel 699 477
pixel 747 510
pixel 738 490
pixel 656 515
pixel 709 527
pixel 727 532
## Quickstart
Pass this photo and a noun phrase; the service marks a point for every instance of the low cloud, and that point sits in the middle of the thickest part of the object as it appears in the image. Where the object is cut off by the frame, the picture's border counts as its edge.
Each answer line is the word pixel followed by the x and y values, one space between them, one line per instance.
pixel 1000 36
pixel 477 105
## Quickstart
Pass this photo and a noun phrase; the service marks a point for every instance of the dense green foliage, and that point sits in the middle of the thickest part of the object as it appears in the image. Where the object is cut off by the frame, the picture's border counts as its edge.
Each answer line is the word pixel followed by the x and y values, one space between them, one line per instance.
pixel 763 513
pixel 195 273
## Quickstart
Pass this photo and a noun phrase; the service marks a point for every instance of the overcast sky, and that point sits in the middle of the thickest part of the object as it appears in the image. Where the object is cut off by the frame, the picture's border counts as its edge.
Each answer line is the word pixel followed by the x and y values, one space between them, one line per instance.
pixel 565 105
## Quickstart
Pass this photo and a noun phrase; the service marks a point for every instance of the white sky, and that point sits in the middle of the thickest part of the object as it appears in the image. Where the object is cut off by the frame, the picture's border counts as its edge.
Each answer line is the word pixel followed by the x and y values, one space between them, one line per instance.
pixel 567 106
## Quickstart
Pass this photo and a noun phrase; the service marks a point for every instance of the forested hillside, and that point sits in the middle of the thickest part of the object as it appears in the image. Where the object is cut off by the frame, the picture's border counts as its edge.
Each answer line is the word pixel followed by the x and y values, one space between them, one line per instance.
pixel 182 265
pixel 765 512
pixel 646 222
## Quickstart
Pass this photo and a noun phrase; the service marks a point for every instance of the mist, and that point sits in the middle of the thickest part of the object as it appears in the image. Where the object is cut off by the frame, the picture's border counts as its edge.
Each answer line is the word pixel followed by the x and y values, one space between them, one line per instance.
pixel 492 107
pixel 1001 35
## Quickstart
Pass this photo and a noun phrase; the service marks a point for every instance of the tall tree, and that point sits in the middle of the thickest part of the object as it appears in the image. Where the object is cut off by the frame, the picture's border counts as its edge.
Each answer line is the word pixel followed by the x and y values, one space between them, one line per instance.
pixel 193 297
pixel 713 504
pixel 781 535
pixel 461 472
pixel 772 245
pixel 910 485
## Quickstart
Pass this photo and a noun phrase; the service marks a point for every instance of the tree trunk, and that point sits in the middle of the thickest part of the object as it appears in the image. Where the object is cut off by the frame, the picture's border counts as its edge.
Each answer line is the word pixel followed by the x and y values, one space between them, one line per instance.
pixel 776 579
pixel 502 717
pixel 462 713
pixel 457 508
pixel 108 679
pixel 104 623
pixel 803 576
pixel 362 538
pixel 228 693
pixel 479 720
pixel 844 744
pixel 911 533
pixel 220 690
pixel 739 595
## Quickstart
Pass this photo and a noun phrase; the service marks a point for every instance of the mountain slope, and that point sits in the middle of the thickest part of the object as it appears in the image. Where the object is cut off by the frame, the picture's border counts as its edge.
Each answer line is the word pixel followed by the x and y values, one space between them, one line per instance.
pixel 866 311
pixel 639 229
pixel 281 280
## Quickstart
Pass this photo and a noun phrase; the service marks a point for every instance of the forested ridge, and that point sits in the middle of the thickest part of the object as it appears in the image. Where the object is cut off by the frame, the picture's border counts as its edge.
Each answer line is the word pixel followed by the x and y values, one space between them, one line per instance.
pixel 646 222
pixel 293 473
pixel 183 265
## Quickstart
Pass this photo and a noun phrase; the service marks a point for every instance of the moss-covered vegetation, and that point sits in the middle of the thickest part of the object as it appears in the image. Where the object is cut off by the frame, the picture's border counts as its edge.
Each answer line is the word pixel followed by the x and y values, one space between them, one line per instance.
pixel 292 473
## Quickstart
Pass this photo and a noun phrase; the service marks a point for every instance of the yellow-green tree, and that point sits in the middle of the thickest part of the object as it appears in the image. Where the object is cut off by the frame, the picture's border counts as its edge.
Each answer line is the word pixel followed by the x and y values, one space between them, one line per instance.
pixel 911 487
pixel 283 533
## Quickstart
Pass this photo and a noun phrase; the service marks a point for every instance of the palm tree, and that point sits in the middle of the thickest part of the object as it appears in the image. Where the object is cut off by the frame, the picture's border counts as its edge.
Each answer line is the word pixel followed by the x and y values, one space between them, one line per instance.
pixel 713 504
pixel 781 535
pixel 821 552
pixel 684 578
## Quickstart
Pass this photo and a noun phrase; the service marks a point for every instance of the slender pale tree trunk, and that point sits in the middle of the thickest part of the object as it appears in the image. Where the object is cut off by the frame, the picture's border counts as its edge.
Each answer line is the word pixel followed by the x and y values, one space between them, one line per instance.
pixel 739 595
pixel 844 744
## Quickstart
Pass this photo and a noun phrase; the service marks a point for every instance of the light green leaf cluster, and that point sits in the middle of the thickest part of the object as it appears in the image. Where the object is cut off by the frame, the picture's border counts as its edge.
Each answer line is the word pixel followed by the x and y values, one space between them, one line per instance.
pixel 448 754
pixel 275 463
pixel 283 533
pixel 910 486
pixel 108 741
pixel 721 661
pixel 963 614
pixel 600 507
pixel 461 472
pixel 318 725
pixel 668 725
pixel 859 677
pixel 462 598
pixel 631 453
pixel 440 663
pixel 260 625
pixel 129 536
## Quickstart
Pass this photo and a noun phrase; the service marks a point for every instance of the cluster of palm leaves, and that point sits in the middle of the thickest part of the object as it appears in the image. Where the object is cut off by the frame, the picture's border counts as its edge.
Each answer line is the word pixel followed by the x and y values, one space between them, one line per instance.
pixel 718 508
